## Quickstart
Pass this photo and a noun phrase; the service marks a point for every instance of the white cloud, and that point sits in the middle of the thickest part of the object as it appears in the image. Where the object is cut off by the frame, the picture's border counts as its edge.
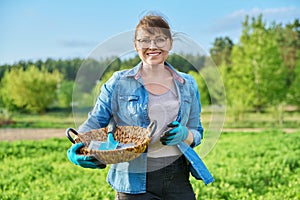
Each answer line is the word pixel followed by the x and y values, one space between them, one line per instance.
pixel 276 13
pixel 231 25
pixel 233 21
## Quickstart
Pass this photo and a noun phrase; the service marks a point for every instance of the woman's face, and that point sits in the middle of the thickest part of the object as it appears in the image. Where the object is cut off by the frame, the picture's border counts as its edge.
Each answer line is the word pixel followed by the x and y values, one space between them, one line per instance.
pixel 153 49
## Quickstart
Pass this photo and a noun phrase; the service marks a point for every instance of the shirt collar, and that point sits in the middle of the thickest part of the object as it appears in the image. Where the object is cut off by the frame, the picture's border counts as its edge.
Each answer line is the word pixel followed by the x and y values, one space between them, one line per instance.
pixel 136 73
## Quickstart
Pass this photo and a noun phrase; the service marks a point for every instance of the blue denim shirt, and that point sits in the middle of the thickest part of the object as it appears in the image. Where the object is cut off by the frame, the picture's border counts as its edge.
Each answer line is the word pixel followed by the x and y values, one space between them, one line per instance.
pixel 125 98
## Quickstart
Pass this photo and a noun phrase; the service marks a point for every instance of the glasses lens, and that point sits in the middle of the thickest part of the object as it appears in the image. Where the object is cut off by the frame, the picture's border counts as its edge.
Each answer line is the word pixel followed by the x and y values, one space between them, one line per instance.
pixel 160 42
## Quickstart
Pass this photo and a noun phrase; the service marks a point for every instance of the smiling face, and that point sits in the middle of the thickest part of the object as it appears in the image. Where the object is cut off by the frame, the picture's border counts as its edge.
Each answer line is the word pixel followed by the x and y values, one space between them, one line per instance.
pixel 153 47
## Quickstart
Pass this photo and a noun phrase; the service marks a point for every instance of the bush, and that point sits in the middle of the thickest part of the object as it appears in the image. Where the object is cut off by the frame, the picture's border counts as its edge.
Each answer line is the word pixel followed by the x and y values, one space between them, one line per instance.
pixel 32 90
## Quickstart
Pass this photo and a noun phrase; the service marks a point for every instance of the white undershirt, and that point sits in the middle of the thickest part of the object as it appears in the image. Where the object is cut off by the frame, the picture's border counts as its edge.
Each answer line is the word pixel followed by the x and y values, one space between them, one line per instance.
pixel 164 109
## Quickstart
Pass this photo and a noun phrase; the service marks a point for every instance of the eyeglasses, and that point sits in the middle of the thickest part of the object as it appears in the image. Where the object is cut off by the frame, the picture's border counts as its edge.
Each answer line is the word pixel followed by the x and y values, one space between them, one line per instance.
pixel 146 42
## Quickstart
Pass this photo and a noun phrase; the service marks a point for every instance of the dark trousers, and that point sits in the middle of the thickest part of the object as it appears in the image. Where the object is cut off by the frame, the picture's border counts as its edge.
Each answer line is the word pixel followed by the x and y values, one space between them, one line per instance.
pixel 168 183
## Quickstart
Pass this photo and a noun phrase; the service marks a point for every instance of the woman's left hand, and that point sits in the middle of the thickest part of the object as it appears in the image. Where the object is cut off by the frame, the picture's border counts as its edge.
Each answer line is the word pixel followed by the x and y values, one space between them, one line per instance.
pixel 175 135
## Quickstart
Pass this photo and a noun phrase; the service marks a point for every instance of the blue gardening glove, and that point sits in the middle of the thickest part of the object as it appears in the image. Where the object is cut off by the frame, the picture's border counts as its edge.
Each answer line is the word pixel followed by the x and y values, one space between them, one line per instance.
pixel 175 135
pixel 81 160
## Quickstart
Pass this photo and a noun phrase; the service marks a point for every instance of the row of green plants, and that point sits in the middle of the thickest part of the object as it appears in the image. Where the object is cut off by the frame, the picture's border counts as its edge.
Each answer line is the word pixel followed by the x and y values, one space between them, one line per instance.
pixel 245 166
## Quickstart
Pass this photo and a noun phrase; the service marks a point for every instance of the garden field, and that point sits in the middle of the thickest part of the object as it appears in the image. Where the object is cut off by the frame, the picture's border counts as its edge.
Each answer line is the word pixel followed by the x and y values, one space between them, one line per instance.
pixel 262 165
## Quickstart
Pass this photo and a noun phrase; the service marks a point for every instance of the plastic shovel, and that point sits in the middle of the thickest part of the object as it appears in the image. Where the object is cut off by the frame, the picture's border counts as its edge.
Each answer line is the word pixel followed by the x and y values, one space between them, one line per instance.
pixel 111 143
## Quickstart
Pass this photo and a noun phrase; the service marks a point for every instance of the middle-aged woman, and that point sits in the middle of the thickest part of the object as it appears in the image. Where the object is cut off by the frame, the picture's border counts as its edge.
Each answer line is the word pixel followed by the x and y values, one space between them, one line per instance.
pixel 152 90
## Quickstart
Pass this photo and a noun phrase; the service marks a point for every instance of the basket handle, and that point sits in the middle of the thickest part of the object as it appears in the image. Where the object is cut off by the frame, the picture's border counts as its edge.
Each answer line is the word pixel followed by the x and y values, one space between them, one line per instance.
pixel 69 136
pixel 152 128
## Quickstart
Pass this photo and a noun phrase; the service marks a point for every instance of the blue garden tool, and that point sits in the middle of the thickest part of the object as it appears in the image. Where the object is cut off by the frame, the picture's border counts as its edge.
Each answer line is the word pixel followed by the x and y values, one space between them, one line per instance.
pixel 111 143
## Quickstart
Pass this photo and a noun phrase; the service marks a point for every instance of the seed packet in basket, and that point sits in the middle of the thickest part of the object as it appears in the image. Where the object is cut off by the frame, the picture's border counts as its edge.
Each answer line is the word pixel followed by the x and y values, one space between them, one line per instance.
pixel 132 141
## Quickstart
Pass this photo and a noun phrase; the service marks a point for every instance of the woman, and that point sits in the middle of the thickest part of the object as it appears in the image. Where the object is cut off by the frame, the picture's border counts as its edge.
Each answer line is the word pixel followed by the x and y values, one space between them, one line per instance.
pixel 152 90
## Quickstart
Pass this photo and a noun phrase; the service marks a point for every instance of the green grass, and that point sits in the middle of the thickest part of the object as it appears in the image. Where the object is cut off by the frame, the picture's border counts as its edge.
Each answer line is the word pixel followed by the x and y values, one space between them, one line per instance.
pixel 256 120
pixel 61 119
pixel 261 165
pixel 47 120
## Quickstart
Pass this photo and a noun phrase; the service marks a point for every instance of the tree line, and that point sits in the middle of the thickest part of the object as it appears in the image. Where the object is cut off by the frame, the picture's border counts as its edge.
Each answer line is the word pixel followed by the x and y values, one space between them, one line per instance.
pixel 260 71
pixel 264 67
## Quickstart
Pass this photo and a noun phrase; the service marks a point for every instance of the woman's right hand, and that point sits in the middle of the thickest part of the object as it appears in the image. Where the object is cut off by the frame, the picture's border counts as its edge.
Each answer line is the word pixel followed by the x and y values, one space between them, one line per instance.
pixel 81 160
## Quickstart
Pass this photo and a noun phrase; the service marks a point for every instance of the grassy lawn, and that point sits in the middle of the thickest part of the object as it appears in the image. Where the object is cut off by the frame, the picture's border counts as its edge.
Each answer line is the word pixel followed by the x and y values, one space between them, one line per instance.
pixel 254 120
pixel 266 120
pixel 66 119
pixel 47 120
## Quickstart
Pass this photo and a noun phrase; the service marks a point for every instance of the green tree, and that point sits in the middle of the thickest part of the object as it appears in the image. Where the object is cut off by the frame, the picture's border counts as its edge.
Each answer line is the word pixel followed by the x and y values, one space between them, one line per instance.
pixel 32 89
pixel 202 87
pixel 257 78
pixel 293 96
pixel 221 50
pixel 65 92
pixel 210 85
pixel 289 44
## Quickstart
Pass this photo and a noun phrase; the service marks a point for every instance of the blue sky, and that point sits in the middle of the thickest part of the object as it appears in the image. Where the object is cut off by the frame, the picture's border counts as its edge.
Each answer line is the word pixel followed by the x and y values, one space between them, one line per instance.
pixel 39 29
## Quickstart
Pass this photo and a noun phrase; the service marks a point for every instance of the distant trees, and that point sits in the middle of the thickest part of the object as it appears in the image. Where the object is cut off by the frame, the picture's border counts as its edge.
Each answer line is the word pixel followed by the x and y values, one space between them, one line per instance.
pixel 263 67
pixel 65 91
pixel 288 38
pixel 260 71
pixel 221 51
pixel 257 77
pixel 32 90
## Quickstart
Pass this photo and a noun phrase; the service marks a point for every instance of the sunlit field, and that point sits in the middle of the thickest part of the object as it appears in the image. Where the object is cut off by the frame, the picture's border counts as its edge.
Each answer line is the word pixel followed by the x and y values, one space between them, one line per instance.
pixel 262 165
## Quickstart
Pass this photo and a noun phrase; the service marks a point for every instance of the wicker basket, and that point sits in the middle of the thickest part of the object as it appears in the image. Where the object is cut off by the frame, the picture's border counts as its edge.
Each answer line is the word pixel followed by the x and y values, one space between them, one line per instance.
pixel 123 134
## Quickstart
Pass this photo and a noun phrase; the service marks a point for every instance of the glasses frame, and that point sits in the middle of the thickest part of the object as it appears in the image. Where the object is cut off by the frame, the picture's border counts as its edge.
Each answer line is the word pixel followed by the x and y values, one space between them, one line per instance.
pixel 144 45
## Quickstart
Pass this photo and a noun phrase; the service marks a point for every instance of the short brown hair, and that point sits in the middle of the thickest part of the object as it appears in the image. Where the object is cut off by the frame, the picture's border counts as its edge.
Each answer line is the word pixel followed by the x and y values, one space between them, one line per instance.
pixel 154 23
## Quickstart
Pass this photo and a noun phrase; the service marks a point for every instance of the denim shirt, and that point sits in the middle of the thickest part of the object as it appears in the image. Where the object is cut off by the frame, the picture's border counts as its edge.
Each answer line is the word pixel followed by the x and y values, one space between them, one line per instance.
pixel 125 98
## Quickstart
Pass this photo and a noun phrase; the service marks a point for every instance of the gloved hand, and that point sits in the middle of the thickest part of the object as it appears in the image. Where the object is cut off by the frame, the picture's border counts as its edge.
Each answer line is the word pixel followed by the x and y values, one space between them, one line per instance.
pixel 81 160
pixel 175 135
